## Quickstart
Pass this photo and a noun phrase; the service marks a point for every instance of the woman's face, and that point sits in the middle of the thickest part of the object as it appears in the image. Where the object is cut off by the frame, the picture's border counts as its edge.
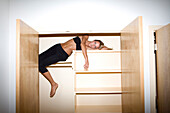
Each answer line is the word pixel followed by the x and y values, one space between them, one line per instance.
pixel 94 44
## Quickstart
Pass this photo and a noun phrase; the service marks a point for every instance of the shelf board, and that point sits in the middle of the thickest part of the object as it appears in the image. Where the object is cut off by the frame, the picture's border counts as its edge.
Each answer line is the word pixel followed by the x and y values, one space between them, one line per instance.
pixel 98 109
pixel 98 71
pixel 77 34
pixel 98 51
pixel 61 64
pixel 100 90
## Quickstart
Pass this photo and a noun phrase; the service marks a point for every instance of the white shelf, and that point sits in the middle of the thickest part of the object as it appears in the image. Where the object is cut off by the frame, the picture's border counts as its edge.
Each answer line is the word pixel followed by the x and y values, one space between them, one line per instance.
pixel 61 64
pixel 98 71
pixel 98 51
pixel 112 90
pixel 98 109
pixel 80 31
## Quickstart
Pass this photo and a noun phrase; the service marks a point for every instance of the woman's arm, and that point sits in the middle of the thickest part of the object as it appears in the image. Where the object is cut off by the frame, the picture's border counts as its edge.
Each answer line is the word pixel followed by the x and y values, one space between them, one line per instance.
pixel 84 51
pixel 102 48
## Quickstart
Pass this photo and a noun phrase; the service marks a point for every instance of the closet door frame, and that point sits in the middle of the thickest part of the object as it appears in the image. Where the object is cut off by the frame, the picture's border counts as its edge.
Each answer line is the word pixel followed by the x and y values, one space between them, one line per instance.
pixel 162 38
pixel 152 67
pixel 132 67
pixel 27 74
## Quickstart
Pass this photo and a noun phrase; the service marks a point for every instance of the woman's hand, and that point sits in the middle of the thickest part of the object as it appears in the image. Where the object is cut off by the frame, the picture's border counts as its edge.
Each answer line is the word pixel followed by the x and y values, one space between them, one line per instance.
pixel 86 65
pixel 84 51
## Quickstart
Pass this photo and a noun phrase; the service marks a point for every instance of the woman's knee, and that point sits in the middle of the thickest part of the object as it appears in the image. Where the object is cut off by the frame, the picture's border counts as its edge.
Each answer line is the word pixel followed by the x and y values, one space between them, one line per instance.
pixel 42 69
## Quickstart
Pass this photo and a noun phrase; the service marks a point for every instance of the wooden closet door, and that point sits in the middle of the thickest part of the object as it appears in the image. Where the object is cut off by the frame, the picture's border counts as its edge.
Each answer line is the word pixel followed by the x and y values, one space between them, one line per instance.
pixel 132 68
pixel 163 68
pixel 27 77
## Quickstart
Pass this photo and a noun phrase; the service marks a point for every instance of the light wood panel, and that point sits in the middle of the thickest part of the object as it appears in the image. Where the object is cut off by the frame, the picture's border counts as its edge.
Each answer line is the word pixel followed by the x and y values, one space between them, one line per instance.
pixel 163 68
pixel 132 68
pixel 27 78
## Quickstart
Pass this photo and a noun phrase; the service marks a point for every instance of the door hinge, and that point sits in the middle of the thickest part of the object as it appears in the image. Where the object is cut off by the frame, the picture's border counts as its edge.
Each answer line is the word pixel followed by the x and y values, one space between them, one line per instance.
pixel 156 102
pixel 155 45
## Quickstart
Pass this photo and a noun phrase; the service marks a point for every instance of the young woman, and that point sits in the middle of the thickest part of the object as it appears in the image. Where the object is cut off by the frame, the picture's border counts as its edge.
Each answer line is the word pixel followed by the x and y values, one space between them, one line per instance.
pixel 61 51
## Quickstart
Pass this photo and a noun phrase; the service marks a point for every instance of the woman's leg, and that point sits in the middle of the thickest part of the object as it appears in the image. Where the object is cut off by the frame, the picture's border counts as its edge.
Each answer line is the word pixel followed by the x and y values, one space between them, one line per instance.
pixel 42 68
pixel 47 58
pixel 54 85
pixel 51 56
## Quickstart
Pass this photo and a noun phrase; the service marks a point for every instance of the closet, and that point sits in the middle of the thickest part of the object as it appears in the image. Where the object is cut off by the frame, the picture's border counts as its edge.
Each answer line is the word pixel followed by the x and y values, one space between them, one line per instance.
pixel 113 83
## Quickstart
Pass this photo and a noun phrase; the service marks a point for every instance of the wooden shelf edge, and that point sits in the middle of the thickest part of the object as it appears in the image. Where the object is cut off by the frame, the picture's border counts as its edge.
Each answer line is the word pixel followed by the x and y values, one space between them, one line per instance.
pixel 77 34
pixel 97 51
pixel 61 65
pixel 97 93
pixel 104 71
pixel 100 90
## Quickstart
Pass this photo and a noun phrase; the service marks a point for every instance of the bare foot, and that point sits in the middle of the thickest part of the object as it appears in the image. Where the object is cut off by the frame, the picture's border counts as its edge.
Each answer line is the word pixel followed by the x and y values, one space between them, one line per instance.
pixel 53 89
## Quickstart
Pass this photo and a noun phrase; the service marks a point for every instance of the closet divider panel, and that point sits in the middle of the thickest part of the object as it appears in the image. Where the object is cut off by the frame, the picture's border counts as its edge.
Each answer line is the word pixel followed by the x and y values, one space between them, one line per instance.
pixel 132 68
pixel 27 77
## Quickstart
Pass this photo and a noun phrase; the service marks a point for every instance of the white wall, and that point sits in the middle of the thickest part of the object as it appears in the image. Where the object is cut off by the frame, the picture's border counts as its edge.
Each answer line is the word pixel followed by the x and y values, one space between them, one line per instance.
pixel 74 15
pixel 4 56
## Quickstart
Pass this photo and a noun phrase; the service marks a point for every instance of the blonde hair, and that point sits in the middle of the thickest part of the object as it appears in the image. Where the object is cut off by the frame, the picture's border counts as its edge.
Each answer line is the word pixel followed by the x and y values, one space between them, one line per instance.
pixel 101 44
